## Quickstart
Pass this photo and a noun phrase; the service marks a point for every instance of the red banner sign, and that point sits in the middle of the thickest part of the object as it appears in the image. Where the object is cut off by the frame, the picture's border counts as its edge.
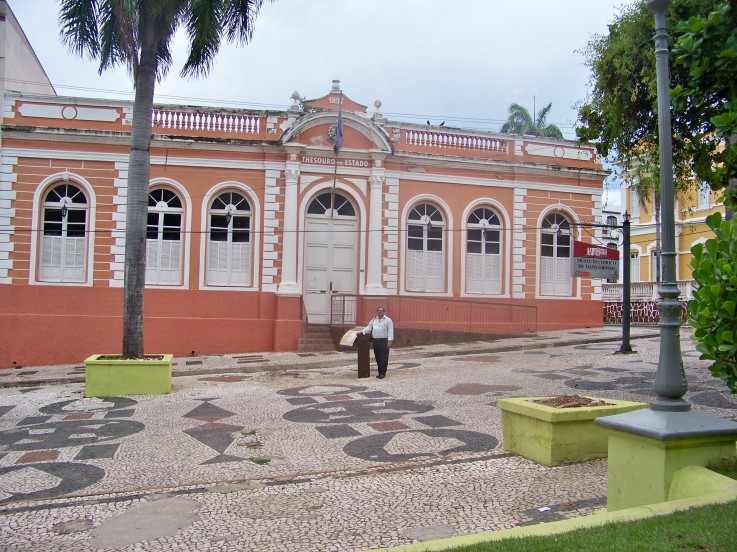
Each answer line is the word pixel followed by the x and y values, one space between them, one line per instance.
pixel 594 261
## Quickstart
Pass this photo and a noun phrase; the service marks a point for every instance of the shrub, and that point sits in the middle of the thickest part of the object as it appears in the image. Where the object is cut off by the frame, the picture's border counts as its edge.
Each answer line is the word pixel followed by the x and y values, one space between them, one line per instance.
pixel 713 311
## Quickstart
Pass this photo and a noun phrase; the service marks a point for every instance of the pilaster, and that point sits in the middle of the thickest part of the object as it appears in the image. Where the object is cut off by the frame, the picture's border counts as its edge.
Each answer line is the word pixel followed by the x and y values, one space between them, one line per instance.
pixel 375 258
pixel 288 284
pixel 272 206
pixel 390 235
pixel 117 266
pixel 7 196
pixel 519 249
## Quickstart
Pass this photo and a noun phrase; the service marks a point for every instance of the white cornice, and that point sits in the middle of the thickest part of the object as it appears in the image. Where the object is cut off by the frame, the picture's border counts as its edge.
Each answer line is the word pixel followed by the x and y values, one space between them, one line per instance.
pixel 155 159
pixel 65 154
pixel 492 182
pixel 512 167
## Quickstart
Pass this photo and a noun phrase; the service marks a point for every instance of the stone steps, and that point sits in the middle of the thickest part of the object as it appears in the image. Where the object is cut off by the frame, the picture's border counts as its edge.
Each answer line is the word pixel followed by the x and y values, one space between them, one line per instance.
pixel 316 338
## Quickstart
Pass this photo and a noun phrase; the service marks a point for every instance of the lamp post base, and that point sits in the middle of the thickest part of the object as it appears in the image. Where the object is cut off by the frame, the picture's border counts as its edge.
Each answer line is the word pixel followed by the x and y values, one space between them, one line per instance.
pixel 648 447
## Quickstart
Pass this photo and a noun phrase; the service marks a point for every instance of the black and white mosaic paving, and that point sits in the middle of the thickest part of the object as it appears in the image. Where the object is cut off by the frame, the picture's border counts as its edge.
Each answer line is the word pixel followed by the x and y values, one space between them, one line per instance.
pixel 306 460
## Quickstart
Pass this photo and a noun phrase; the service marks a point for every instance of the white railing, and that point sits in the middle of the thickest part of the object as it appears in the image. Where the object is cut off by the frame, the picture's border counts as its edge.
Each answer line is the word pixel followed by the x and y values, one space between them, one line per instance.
pixel 447 140
pixel 228 123
pixel 645 291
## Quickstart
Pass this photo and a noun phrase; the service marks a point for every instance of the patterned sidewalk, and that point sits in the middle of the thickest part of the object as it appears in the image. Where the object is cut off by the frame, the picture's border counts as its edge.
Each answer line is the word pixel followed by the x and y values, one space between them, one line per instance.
pixel 294 453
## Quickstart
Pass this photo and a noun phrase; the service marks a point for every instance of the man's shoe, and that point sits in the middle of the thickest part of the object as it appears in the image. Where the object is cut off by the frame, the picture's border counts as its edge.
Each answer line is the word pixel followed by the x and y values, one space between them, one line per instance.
pixel 380 376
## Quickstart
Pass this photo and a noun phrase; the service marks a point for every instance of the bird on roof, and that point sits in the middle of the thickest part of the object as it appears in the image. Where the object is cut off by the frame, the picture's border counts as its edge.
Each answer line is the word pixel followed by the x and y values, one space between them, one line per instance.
pixel 428 121
pixel 441 124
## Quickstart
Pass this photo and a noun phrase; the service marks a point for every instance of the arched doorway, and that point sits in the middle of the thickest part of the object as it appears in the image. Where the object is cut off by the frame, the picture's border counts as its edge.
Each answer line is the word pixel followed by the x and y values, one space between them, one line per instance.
pixel 330 253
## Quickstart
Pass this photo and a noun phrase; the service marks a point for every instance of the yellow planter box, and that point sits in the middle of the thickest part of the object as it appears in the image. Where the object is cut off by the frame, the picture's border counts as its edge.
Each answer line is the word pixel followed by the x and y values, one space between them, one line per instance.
pixel 552 436
pixel 108 376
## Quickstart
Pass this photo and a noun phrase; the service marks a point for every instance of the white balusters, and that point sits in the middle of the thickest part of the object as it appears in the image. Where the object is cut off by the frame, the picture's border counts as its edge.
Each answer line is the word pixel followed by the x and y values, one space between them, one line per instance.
pixel 447 140
pixel 225 123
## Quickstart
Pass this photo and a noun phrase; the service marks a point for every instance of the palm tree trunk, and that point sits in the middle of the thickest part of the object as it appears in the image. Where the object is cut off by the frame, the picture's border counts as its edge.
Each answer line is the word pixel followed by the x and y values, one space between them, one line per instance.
pixel 134 282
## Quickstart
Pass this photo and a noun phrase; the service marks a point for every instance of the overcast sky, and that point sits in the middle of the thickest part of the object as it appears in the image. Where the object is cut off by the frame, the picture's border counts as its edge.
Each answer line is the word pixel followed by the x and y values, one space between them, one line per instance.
pixel 462 62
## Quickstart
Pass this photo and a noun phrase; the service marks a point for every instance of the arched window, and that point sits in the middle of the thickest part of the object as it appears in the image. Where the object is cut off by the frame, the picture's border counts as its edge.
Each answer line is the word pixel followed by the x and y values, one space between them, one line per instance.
pixel 229 245
pixel 484 252
pixel 64 238
pixel 341 205
pixel 164 238
pixel 425 256
pixel 555 256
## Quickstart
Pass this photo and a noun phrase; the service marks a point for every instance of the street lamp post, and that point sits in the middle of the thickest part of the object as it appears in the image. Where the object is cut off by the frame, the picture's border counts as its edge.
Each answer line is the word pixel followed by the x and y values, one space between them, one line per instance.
pixel 648 447
pixel 670 378
pixel 626 282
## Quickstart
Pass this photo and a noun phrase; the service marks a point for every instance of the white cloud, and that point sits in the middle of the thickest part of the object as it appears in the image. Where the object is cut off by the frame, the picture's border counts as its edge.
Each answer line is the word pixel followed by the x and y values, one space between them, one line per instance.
pixel 463 62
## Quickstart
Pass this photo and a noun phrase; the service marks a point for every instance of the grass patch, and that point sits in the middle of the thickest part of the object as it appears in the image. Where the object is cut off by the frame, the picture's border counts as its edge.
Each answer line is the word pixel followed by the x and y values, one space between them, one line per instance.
pixel 261 461
pixel 706 528
pixel 248 433
pixel 729 469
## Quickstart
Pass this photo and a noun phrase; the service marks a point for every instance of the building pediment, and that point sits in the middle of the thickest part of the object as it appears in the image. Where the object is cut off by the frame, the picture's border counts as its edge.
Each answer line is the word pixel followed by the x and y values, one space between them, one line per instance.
pixel 317 130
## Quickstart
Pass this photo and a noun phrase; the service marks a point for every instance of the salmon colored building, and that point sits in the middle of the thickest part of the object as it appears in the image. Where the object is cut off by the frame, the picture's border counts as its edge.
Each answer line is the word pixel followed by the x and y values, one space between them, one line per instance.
pixel 258 227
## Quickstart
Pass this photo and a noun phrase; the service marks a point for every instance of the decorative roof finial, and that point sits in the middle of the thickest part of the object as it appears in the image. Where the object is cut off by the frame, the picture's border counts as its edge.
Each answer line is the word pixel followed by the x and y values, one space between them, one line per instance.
pixel 336 86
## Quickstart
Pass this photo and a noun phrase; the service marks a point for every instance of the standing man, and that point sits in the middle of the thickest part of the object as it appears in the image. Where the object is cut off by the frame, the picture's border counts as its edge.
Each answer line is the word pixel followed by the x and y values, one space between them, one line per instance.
pixel 381 329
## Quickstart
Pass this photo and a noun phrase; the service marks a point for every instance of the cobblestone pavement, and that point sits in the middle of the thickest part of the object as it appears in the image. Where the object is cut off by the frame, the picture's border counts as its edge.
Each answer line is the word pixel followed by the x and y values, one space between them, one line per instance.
pixel 287 452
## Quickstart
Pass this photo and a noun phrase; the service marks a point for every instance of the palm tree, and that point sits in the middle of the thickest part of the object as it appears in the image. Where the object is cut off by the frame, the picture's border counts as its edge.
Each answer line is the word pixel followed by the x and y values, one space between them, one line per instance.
pixel 520 122
pixel 138 34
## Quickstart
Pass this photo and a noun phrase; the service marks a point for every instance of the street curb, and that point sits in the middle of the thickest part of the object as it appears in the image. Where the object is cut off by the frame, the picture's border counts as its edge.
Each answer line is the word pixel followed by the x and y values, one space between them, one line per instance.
pixel 563 526
pixel 255 368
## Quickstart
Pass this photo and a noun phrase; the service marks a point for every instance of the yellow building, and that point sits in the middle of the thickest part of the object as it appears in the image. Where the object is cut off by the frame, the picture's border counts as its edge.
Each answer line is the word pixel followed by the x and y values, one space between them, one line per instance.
pixel 692 208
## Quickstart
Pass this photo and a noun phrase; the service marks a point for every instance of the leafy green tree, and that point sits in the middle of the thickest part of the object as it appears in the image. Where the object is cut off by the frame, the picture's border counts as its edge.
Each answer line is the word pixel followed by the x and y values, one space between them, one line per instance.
pixel 520 122
pixel 619 115
pixel 713 310
pixel 138 34
pixel 706 48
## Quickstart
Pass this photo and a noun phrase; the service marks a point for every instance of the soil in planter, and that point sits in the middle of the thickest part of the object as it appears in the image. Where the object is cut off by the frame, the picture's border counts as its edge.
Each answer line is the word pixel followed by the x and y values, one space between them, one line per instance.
pixel 120 357
pixel 570 401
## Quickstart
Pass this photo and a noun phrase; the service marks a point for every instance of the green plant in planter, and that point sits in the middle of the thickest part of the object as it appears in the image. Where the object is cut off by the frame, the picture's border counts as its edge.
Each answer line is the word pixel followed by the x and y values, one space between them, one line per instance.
pixel 713 310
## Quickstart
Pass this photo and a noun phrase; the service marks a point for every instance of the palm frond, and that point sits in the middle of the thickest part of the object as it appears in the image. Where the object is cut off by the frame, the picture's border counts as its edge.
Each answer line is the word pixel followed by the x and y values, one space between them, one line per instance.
pixel 78 21
pixel 551 131
pixel 238 19
pixel 119 41
pixel 203 22
pixel 542 115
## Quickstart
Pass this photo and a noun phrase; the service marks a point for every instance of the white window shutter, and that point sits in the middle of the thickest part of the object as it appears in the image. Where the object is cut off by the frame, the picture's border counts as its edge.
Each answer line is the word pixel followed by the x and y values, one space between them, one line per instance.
pixel 414 270
pixel 74 256
pixel 547 276
pixel 217 264
pixel 563 279
pixel 493 274
pixel 434 271
pixel 240 261
pixel 62 259
pixel 635 269
pixel 474 273
pixel 152 261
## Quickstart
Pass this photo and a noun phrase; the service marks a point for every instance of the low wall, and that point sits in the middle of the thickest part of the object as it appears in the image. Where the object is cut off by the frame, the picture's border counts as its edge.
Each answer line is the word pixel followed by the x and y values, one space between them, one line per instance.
pixel 47 325
pixel 641 312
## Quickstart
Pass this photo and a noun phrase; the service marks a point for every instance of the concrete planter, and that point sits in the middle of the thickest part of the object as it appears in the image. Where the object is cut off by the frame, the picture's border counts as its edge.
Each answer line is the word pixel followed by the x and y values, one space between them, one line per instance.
pixel 552 436
pixel 107 376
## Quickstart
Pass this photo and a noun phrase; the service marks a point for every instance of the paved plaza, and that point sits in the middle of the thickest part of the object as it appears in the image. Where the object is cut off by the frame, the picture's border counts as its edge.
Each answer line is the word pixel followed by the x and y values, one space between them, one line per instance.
pixel 291 452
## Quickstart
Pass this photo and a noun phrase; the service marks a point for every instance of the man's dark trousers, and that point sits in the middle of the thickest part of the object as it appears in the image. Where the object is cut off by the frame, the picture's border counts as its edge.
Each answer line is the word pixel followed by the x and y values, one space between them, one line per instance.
pixel 381 354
